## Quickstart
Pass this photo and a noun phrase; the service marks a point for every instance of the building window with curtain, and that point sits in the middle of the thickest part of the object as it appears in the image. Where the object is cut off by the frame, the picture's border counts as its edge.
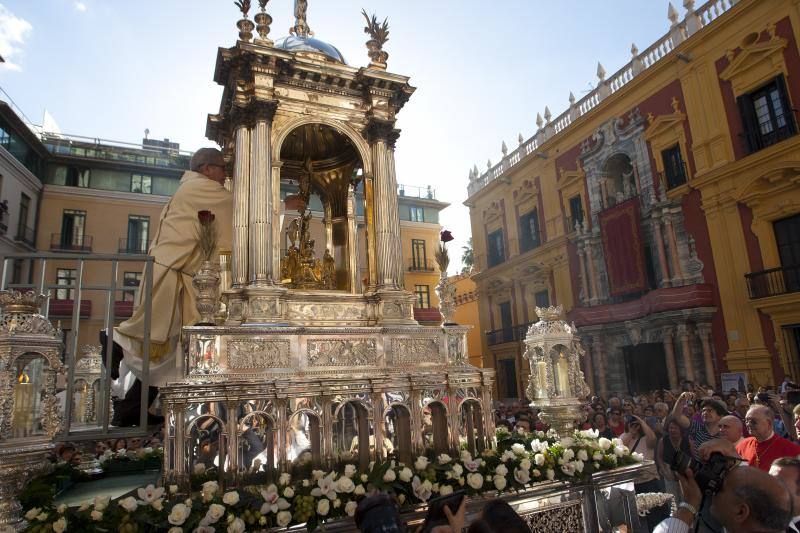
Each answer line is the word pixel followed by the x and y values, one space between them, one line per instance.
pixel 65 276
pixel 73 226
pixel 141 183
pixel 495 249
pixel 423 293
pixel 575 212
pixel 138 234
pixel 767 115
pixel 416 214
pixel 529 236
pixel 674 167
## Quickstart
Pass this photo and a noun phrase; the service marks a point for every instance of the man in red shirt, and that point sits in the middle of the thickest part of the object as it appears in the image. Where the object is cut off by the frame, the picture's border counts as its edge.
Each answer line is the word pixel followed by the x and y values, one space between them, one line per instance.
pixel 763 446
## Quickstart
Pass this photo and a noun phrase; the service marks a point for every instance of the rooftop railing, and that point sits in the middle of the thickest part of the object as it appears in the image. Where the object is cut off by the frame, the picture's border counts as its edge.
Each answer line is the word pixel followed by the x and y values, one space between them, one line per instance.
pixel 412 191
pixel 694 21
pixel 95 147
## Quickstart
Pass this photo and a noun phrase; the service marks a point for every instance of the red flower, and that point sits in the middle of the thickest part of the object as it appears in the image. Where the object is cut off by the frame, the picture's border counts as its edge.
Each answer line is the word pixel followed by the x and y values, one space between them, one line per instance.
pixel 446 236
pixel 205 217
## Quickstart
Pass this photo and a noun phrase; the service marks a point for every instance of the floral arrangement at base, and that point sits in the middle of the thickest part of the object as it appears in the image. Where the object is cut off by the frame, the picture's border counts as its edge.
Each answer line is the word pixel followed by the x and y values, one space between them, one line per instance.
pixel 648 501
pixel 520 461
pixel 125 461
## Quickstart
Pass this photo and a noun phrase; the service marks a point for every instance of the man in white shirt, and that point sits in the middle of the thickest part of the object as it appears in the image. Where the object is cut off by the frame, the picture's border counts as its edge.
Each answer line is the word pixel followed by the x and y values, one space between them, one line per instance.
pixel 788 469
pixel 750 501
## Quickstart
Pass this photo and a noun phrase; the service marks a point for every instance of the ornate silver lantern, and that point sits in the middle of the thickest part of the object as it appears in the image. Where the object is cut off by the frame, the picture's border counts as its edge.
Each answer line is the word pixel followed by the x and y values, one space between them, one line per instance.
pixel 30 415
pixel 556 384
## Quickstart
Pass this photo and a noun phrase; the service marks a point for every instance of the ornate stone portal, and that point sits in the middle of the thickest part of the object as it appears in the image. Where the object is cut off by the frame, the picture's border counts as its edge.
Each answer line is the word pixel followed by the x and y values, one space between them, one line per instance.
pixel 319 358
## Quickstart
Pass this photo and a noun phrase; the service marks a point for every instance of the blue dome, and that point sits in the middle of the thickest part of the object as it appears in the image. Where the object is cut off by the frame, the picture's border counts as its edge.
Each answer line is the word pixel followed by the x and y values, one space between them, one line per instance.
pixel 294 43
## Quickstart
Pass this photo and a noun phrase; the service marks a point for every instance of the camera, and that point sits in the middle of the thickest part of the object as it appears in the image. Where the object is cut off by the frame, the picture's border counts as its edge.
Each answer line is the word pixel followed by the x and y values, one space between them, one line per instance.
pixel 378 513
pixel 708 475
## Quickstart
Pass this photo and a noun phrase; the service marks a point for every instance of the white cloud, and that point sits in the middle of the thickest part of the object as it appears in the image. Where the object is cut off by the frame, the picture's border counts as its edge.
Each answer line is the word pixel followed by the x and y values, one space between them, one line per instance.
pixel 80 6
pixel 13 33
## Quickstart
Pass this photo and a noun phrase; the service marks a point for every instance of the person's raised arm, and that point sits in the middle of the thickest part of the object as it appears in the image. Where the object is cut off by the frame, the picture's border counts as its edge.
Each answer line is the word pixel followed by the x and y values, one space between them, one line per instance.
pixel 649 435
pixel 677 410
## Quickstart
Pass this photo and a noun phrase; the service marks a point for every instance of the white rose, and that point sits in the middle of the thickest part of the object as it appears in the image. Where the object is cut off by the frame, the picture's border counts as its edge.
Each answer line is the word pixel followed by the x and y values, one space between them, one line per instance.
pixel 551 474
pixel 237 526
pixel 522 476
pixel 101 502
pixel 345 484
pixel 465 456
pixel 209 490
pixel 214 513
pixel 359 490
pixel 283 518
pixel 582 455
pixel 536 472
pixel 175 529
pixel 501 470
pixel 444 459
pixel 525 464
pixel 61 508
pixel 458 470
pixel 445 490
pixel 499 482
pixel 284 479
pixel 173 489
pixel 389 476
pixel 288 492
pixel 350 508
pixel 337 503
pixel 406 474
pixel 475 480
pixel 317 474
pixel 421 463
pixel 568 468
pixel 638 457
pixel 129 504
pixel 579 465
pixel 199 469
pixel 323 507
pixel 230 498
pixel 597 456
pixel 158 505
pixel 97 515
pixel 518 449
pixel 568 455
pixel 178 514
pixel 604 443
pixel 60 525
pixel 422 489
pixel 538 459
pixel 620 451
pixel 306 483
pixel 364 478
pixel 401 498
pixel 567 442
pixel 508 455
pixel 350 470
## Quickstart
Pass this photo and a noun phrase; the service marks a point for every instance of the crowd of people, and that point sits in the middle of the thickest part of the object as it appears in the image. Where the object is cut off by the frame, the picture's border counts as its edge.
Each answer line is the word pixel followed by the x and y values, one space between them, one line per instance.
pixel 681 431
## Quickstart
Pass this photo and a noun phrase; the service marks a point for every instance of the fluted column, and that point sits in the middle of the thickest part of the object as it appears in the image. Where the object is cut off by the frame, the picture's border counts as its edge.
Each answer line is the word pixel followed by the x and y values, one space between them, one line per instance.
pixel 276 241
pixel 686 349
pixel 599 362
pixel 677 274
pixel 241 187
pixel 584 280
pixel 669 351
pixel 588 371
pixel 662 254
pixel 704 333
pixel 260 206
pixel 381 136
pixel 369 216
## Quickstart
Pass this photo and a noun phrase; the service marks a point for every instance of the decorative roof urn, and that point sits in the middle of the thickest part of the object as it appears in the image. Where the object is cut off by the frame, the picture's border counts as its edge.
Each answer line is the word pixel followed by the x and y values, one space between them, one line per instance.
pixel 556 384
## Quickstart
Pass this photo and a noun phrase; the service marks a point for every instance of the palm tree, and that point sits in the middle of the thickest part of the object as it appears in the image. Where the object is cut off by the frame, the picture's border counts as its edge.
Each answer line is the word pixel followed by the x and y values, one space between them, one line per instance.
pixel 467 258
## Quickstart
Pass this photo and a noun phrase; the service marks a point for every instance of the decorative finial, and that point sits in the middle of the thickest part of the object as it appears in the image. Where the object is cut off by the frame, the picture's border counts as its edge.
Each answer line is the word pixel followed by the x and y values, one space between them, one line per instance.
pixel 263 20
pixel 547 114
pixel 300 28
pixel 504 149
pixel 688 5
pixel 672 14
pixel 520 139
pixel 634 50
pixel 245 25
pixel 477 173
pixel 601 72
pixel 539 121
pixel 571 98
pixel 378 35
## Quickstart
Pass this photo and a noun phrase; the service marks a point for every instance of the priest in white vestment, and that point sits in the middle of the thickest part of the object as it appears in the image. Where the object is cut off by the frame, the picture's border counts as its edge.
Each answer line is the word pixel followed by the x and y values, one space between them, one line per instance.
pixel 176 259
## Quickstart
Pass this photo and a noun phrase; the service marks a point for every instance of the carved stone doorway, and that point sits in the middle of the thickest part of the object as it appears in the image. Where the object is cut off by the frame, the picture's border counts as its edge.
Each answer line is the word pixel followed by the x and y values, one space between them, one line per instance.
pixel 645 367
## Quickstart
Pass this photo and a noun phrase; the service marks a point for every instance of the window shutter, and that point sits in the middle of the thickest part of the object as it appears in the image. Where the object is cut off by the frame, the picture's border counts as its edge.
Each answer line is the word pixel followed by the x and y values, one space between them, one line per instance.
pixel 787 105
pixel 749 122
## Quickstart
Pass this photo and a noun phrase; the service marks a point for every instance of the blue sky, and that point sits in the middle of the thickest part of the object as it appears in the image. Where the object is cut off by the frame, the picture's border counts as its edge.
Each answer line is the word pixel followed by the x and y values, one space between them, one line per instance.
pixel 111 68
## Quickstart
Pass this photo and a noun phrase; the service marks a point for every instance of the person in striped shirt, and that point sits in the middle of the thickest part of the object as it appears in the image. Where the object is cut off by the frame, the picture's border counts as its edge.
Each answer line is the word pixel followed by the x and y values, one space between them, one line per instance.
pixel 707 428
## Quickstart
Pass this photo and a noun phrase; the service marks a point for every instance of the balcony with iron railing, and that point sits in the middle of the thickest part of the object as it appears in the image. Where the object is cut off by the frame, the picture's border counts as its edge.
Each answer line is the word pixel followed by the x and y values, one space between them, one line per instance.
pixel 137 246
pixel 65 242
pixel 508 334
pixel 26 236
pixel 773 282
pixel 674 179
pixel 418 264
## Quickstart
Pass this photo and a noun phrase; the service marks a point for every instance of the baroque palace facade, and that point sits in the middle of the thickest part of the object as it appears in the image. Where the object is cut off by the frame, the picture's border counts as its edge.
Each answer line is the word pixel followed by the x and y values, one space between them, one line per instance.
pixel 662 211
pixel 92 196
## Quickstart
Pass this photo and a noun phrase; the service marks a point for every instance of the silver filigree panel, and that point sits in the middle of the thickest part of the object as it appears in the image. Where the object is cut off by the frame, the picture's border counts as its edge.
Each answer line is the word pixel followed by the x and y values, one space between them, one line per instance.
pixel 258 353
pixel 351 352
pixel 556 519
pixel 415 351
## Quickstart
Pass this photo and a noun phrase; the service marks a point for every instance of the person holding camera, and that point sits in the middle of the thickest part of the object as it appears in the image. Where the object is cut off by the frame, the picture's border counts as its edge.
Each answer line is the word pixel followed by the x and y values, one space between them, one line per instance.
pixel 743 499
pixel 764 446
pixel 707 428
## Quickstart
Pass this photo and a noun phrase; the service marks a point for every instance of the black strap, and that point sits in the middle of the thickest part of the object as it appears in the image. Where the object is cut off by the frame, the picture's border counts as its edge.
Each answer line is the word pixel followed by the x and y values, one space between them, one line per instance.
pixel 636 444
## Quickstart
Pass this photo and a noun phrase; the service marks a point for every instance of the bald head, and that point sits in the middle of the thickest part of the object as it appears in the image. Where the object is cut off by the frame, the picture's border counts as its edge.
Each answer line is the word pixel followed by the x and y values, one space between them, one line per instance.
pixel 752 500
pixel 730 428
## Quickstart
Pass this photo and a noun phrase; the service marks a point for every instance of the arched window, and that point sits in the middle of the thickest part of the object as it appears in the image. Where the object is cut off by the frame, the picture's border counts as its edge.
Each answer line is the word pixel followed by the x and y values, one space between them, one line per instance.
pixel 472 426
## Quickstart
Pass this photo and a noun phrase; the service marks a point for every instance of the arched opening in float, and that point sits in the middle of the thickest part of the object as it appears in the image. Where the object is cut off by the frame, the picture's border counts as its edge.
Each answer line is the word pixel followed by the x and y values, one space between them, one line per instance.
pixel 304 439
pixel 472 426
pixel 353 437
pixel 397 431
pixel 440 427
pixel 257 449
pixel 206 445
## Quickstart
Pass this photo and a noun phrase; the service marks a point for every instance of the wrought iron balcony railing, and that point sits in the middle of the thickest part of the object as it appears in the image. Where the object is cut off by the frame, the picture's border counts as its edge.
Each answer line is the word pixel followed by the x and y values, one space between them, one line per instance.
pixel 773 282
pixel 26 235
pixel 138 246
pixel 65 242
pixel 508 334
pixel 418 264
